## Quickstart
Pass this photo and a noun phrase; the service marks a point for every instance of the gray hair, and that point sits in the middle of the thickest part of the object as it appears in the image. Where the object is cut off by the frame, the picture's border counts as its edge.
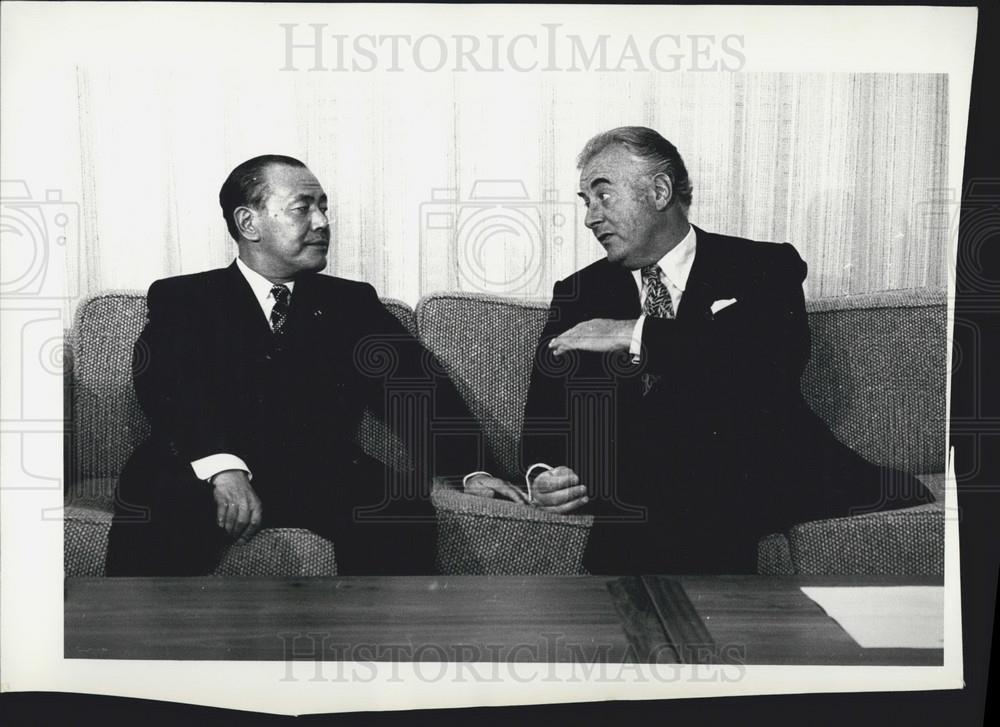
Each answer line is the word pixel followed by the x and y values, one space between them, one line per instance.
pixel 659 154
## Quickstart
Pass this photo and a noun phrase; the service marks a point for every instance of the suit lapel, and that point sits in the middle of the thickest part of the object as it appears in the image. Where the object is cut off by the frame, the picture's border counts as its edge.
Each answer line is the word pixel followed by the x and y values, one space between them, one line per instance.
pixel 703 281
pixel 244 312
pixel 304 312
pixel 617 292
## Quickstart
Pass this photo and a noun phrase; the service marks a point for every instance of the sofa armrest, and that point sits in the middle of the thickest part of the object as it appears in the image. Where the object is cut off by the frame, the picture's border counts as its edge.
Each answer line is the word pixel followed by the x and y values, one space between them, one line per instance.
pixel 909 541
pixel 774 557
pixel 493 536
pixel 895 542
pixel 272 552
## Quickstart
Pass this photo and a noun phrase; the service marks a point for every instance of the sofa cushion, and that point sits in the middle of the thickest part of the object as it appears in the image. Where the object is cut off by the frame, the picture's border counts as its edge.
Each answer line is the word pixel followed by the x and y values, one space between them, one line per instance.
pixel 877 375
pixel 85 540
pixel 896 542
pixel 487 345
pixel 92 492
pixel 280 552
pixel 108 422
pixel 774 553
pixel 774 557
pixel 487 536
pixel 272 552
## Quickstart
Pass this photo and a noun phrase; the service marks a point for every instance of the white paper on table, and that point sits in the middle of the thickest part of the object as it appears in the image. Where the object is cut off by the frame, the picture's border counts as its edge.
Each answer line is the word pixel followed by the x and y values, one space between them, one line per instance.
pixel 900 617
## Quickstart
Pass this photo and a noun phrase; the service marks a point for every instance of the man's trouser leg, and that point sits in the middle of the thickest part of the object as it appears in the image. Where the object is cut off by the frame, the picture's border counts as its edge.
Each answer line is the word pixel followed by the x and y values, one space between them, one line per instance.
pixel 164 525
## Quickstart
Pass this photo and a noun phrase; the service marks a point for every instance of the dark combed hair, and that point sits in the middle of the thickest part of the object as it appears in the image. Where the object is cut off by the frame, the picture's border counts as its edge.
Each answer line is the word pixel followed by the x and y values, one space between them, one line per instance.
pixel 246 186
pixel 660 155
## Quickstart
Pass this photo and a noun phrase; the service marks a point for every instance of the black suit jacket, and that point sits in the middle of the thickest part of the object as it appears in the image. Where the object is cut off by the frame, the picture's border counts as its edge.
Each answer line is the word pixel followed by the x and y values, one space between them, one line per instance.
pixel 211 380
pixel 723 448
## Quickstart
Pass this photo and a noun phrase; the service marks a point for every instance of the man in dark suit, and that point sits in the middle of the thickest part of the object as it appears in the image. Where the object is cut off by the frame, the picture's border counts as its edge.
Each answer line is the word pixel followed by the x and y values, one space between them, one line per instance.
pixel 254 379
pixel 666 390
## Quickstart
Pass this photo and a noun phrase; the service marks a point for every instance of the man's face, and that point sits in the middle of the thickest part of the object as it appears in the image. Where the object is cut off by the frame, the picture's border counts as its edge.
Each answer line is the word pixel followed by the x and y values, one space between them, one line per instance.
pixel 293 224
pixel 621 211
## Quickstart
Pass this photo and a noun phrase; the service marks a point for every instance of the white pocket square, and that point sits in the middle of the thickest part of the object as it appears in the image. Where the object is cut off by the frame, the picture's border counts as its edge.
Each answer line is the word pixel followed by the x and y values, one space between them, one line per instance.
pixel 720 304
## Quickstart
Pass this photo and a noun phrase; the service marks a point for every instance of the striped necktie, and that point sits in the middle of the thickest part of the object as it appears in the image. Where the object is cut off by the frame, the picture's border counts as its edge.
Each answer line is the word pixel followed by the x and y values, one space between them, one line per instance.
pixel 279 313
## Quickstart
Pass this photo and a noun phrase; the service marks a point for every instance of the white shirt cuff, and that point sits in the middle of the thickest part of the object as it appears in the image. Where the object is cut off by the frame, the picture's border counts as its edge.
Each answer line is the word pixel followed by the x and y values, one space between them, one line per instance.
pixel 465 480
pixel 635 347
pixel 208 467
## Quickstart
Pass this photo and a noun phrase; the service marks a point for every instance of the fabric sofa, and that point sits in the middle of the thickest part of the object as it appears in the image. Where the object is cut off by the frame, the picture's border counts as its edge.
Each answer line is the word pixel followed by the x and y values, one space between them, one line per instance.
pixel 876 375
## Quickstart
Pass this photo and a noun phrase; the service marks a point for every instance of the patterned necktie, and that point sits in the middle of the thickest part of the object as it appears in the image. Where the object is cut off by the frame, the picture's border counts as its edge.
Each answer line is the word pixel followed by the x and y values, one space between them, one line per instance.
pixel 657 303
pixel 279 313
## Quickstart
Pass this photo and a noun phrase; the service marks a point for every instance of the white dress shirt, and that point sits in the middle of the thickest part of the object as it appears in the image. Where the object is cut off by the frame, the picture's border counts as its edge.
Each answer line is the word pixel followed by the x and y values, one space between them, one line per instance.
pixel 675 267
pixel 208 467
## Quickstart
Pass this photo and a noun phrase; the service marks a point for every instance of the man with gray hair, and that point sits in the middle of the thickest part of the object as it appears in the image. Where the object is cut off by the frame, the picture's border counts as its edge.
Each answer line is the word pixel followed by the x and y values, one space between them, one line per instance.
pixel 665 389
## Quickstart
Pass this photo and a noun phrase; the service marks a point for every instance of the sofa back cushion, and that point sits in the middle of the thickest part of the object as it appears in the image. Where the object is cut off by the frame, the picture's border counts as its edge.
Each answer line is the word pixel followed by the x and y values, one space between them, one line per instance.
pixel 876 374
pixel 487 344
pixel 107 420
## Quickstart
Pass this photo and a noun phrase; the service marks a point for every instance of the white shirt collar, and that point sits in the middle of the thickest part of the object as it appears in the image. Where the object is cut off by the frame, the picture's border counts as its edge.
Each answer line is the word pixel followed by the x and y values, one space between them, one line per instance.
pixel 260 285
pixel 676 264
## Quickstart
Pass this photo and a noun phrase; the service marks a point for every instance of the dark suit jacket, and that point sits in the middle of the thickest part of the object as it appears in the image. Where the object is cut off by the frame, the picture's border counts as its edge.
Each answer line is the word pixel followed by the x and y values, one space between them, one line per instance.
pixel 723 449
pixel 211 379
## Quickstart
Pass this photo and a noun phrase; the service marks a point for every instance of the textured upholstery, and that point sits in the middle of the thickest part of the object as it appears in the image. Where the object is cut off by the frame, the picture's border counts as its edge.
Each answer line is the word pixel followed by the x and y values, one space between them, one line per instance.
pixel 487 345
pixel 774 557
pixel 85 540
pixel 863 379
pixel 877 375
pixel 374 435
pixel 276 551
pixel 92 492
pixel 280 551
pixel 482 536
pixel 900 542
pixel 107 424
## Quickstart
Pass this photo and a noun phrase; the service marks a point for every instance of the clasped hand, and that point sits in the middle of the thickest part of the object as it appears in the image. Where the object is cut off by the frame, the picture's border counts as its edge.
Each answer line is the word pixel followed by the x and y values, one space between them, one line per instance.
pixel 238 509
pixel 557 490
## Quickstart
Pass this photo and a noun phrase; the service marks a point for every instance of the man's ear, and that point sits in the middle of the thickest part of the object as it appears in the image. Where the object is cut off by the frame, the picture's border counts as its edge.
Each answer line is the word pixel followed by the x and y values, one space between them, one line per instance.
pixel 663 191
pixel 246 223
